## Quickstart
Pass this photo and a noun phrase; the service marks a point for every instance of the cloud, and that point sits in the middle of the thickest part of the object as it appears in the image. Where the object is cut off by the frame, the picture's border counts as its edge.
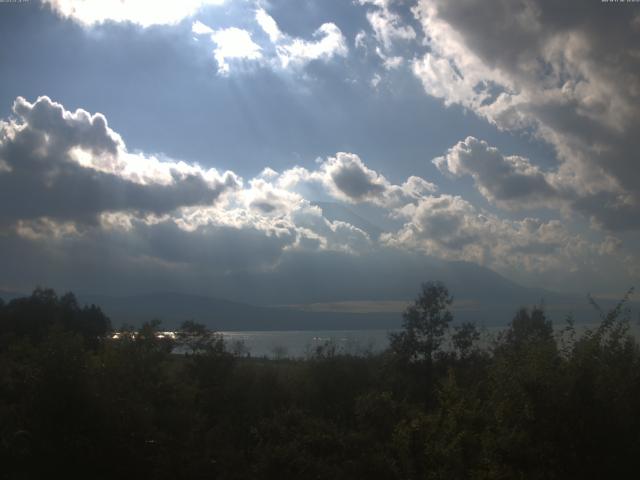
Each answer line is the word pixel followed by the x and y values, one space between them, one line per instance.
pixel 449 227
pixel 389 30
pixel 78 200
pixel 233 43
pixel 269 25
pixel 347 178
pixel 142 12
pixel 510 182
pixel 69 186
pixel 375 80
pixel 514 183
pixel 71 166
pixel 68 173
pixel 294 51
pixel 223 247
pixel 350 178
pixel 440 78
pixel 330 42
pixel 280 51
pixel 529 66
pixel 200 28
pixel 360 39
pixel 387 26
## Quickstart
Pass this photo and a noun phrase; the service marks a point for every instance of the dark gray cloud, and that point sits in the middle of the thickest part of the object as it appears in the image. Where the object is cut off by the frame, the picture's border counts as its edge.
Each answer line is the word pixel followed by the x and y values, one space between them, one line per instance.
pixel 568 72
pixel 347 178
pixel 609 211
pixel 514 183
pixel 222 248
pixel 351 178
pixel 511 181
pixel 57 130
pixel 71 166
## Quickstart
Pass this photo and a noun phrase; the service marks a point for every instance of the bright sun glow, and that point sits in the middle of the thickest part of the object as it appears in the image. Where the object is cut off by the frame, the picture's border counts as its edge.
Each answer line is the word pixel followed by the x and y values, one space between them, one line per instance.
pixel 142 12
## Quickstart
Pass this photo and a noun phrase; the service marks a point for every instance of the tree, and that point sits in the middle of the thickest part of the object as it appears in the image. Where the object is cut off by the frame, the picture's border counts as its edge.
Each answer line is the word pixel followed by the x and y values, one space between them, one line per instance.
pixel 425 324
pixel 32 317
pixel 528 327
pixel 464 338
pixel 196 338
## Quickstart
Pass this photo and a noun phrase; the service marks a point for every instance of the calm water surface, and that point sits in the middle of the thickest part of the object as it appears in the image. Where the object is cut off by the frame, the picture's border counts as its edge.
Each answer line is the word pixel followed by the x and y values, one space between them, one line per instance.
pixel 304 343
pixel 300 344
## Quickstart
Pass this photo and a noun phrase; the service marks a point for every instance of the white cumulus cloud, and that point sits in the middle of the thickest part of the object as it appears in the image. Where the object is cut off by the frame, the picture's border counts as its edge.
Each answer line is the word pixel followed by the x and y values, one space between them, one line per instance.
pixel 232 44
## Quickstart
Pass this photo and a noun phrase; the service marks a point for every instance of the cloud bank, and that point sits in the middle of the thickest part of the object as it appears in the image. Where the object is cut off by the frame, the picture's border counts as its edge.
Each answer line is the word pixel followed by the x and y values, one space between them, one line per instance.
pixel 72 193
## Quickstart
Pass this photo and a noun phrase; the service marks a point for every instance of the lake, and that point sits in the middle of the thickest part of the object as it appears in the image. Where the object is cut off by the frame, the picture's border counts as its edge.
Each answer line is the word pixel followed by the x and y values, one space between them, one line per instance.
pixel 302 343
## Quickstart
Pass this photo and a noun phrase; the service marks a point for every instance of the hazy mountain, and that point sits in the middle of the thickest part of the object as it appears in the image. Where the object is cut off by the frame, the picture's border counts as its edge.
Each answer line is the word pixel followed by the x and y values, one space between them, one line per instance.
pixel 480 295
pixel 174 308
pixel 7 295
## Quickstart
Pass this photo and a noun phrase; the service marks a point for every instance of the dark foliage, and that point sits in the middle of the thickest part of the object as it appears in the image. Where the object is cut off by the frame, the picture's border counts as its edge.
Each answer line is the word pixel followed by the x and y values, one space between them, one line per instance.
pixel 425 324
pixel 34 317
pixel 530 404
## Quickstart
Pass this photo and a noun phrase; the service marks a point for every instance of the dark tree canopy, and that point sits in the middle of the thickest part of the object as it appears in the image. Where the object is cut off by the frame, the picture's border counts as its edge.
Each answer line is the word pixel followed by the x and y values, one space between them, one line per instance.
pixel 425 324
pixel 534 404
pixel 529 326
pixel 34 316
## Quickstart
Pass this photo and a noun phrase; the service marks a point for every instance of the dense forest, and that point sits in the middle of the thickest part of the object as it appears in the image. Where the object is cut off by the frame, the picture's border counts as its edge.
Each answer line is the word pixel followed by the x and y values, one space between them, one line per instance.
pixel 536 403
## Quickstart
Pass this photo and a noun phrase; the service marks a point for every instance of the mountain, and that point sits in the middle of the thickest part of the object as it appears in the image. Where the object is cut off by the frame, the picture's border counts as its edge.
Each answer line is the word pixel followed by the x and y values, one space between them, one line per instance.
pixel 342 292
pixel 217 314
pixel 174 308
pixel 8 295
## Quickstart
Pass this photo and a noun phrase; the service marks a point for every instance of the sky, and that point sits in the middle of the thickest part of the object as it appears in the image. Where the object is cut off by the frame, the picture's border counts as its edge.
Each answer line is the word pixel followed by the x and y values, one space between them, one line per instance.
pixel 237 147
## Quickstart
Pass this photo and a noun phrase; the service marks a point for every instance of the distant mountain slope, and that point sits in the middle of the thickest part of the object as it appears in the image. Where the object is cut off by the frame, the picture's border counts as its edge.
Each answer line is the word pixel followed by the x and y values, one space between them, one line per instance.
pixel 174 308
pixel 8 295
pixel 315 303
